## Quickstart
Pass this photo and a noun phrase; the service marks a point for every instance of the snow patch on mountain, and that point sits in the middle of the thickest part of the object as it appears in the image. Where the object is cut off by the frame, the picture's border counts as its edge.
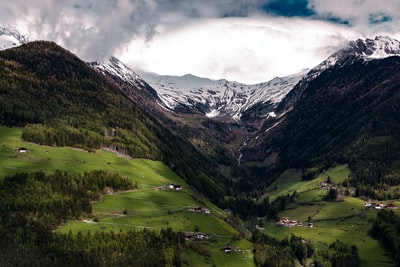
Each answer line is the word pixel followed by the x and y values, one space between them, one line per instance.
pixel 361 49
pixel 367 49
pixel 218 97
pixel 114 67
pixel 10 37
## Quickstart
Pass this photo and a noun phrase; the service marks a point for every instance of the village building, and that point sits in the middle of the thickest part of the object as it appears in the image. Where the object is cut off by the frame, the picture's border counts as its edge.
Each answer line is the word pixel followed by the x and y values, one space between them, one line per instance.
pixel 288 223
pixel 324 185
pixel 227 249
pixel 391 205
pixel 196 236
pixel 22 150
pixel 176 187
pixel 237 249
pixel 200 236
pixel 198 209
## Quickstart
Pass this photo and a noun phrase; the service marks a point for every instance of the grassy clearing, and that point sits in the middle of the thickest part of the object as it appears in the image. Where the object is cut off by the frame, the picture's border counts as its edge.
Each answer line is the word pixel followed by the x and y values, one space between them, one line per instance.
pixel 301 212
pixel 335 210
pixel 338 173
pixel 347 221
pixel 146 207
pixel 290 181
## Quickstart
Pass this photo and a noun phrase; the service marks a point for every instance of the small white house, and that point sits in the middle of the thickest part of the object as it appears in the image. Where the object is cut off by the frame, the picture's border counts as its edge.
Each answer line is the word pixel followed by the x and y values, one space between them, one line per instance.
pixel 22 150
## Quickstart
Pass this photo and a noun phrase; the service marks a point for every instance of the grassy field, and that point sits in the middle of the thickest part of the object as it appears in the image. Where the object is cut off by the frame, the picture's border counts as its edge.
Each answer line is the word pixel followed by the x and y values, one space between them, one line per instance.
pixel 145 207
pixel 348 220
pixel 291 181
pixel 150 207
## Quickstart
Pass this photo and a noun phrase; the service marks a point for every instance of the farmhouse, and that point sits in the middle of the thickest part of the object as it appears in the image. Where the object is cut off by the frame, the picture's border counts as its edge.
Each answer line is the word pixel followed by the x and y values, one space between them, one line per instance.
pixel 22 150
pixel 176 187
pixel 289 223
pixel 237 249
pixel 227 249
pixel 200 236
pixel 391 206
pixel 199 210
pixel 196 236
pixel 324 185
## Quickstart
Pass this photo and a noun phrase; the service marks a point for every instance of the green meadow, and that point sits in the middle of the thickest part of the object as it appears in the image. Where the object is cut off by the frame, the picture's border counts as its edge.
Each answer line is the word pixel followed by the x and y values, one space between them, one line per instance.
pixel 153 207
pixel 291 180
pixel 347 220
pixel 150 206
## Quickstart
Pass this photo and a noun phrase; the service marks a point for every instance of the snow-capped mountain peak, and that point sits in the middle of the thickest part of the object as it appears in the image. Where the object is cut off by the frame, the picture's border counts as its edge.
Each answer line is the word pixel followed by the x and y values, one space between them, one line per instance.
pixel 114 67
pixel 10 37
pixel 218 98
pixel 381 47
pixel 367 49
pixel 361 49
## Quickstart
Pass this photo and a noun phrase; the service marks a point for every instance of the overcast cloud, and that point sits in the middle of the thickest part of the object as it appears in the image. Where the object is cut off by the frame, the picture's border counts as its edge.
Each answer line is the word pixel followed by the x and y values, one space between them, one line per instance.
pixel 242 40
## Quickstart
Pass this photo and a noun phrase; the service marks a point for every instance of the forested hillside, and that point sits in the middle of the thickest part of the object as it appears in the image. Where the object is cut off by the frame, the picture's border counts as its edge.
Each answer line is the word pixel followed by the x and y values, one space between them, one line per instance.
pixel 347 114
pixel 62 101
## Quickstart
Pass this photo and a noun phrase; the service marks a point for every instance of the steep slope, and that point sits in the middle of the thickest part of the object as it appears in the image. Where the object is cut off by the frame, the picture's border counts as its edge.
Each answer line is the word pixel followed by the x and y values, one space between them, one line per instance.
pixel 113 67
pixel 218 98
pixel 361 49
pixel 61 100
pixel 211 137
pixel 344 113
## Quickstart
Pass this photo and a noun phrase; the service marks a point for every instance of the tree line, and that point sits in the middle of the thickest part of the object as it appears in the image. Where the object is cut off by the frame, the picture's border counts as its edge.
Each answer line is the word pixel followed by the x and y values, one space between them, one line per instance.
pixel 35 204
pixel 386 228
pixel 270 252
pixel 62 101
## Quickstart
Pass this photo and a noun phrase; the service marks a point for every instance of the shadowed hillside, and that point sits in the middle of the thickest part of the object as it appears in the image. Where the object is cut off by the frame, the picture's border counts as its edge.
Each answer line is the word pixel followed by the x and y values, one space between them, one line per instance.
pixel 62 101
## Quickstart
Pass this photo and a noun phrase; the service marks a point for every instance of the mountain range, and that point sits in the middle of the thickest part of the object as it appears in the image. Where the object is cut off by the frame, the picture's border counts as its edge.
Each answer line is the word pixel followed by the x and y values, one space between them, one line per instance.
pixel 222 98
pixel 229 141
pixel 230 114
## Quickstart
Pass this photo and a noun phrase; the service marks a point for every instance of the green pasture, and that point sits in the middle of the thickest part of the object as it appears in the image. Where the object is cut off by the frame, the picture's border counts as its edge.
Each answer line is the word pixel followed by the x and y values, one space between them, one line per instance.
pixel 290 181
pixel 154 208
pixel 48 159
pixel 236 258
pixel 347 221
pixel 337 210
pixel 146 207
pixel 338 173
pixel 301 212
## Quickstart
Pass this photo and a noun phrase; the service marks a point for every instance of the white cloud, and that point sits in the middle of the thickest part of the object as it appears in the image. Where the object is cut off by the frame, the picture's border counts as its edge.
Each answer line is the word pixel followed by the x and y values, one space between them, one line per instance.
pixel 229 39
pixel 250 50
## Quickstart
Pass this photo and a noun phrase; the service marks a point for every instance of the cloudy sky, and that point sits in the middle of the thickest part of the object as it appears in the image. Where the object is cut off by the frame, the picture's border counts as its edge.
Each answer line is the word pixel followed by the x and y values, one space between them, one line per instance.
pixel 243 40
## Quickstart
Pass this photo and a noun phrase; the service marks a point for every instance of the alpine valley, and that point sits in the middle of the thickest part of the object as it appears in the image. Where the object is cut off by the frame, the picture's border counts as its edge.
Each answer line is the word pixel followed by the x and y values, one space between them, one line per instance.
pixel 104 166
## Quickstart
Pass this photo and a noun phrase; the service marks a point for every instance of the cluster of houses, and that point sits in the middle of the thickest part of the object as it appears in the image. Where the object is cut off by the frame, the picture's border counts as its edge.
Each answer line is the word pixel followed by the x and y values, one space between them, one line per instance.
pixel 199 210
pixel 378 206
pixel 290 223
